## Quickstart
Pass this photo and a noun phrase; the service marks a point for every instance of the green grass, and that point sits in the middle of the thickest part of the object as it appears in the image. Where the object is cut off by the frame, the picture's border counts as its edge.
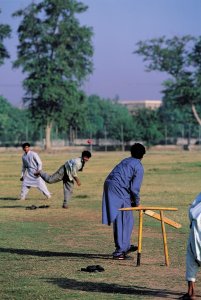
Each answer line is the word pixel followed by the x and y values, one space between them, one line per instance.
pixel 42 251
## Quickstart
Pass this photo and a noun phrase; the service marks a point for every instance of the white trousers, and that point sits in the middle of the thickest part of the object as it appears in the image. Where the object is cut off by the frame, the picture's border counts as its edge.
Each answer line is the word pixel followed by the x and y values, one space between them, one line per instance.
pixel 192 266
pixel 41 187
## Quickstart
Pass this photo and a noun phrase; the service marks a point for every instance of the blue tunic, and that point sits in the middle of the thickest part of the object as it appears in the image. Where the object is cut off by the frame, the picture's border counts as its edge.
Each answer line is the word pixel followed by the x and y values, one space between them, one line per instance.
pixel 121 186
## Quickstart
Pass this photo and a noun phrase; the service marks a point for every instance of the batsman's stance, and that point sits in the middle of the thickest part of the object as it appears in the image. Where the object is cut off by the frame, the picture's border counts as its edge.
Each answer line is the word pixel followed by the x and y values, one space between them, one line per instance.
pixel 122 189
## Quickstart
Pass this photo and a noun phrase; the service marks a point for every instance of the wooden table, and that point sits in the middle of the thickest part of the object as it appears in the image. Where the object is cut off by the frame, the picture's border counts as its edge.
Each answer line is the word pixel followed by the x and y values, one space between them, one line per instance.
pixel 148 210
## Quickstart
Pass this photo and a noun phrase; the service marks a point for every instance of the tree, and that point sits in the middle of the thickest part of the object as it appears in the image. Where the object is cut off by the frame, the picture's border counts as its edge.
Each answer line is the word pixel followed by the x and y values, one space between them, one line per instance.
pixel 5 32
pixel 148 126
pixel 181 59
pixel 14 123
pixel 173 120
pixel 106 116
pixel 55 52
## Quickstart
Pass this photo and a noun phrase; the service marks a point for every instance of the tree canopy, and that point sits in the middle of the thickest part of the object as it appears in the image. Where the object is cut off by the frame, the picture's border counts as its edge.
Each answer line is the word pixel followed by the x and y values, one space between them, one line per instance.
pixel 5 32
pixel 14 124
pixel 180 57
pixel 55 52
pixel 107 117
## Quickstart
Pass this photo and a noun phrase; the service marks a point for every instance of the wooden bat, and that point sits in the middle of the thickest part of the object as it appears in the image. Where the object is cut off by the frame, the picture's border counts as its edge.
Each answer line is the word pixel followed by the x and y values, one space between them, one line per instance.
pixel 158 217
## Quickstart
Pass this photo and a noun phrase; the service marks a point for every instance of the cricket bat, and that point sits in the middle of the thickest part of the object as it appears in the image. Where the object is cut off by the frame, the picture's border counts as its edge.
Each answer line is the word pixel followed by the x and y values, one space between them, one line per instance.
pixel 157 216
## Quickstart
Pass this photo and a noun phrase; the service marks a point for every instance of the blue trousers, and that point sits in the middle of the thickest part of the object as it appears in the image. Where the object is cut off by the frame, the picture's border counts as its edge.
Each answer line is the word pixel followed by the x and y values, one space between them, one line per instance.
pixel 122 230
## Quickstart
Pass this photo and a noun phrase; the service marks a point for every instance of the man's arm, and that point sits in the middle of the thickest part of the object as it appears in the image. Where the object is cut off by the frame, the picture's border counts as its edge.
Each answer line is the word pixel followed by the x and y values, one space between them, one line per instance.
pixel 77 181
pixel 23 170
pixel 38 161
pixel 136 185
pixel 75 165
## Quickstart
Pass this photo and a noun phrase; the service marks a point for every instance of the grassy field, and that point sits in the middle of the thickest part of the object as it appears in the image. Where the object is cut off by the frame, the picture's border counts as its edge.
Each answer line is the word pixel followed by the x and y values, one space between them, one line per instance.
pixel 42 251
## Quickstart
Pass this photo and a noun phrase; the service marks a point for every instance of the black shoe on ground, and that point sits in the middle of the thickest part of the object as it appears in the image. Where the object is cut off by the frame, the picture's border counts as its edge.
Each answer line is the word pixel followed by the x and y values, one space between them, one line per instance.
pixel 43 206
pixel 119 257
pixel 122 256
pixel 65 206
pixel 31 207
pixel 93 269
pixel 132 248
pixel 99 268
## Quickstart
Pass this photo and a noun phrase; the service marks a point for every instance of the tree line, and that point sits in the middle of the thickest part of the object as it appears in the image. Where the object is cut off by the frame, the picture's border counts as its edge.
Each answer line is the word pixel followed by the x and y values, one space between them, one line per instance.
pixel 55 53
pixel 102 119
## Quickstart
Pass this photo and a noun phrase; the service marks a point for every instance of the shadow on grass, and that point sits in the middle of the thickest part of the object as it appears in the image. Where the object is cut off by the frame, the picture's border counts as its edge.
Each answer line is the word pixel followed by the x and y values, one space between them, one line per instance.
pixel 111 288
pixel 9 198
pixel 13 206
pixel 52 253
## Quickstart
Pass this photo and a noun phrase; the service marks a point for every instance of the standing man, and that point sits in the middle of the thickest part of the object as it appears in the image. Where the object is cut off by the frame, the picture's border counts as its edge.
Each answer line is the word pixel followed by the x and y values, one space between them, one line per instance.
pixel 122 189
pixel 193 254
pixel 31 163
pixel 68 174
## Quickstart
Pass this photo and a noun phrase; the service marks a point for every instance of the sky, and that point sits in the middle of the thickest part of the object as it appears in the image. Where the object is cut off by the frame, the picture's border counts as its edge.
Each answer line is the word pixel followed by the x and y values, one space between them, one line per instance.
pixel 117 26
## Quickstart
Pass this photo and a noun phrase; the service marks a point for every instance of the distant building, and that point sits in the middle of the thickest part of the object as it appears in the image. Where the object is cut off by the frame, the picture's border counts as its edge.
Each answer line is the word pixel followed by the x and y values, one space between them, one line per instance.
pixel 133 105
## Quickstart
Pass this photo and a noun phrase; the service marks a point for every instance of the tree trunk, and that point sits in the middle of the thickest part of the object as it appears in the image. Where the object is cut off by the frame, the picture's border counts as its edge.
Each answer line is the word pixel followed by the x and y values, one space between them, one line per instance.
pixel 47 136
pixel 187 147
pixel 196 114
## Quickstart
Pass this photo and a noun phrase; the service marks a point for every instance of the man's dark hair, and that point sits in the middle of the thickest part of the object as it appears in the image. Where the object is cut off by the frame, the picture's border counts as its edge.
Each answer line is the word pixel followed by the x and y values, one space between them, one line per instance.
pixel 137 150
pixel 86 154
pixel 25 145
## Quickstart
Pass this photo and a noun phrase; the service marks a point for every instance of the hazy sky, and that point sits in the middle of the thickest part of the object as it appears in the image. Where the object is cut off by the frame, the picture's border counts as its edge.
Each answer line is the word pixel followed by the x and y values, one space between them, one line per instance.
pixel 117 25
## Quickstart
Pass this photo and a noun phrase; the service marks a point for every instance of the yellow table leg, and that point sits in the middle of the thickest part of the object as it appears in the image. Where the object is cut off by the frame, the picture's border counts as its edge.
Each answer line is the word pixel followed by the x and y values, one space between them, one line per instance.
pixel 164 239
pixel 140 237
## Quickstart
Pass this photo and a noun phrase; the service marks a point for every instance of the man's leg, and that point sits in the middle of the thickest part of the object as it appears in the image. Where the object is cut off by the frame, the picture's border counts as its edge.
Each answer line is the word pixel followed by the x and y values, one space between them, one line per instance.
pixel 191 265
pixel 128 223
pixel 43 188
pixel 191 289
pixel 191 272
pixel 122 229
pixel 24 191
pixel 56 177
pixel 68 191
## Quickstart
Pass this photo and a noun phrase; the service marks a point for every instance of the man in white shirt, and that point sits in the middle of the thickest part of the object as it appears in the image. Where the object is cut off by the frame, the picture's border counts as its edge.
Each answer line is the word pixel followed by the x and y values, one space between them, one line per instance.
pixel 68 174
pixel 193 255
pixel 31 163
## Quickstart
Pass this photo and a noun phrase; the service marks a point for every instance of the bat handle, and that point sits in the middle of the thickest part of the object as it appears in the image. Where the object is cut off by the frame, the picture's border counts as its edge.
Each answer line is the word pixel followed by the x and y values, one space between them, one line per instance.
pixel 140 237
pixel 138 259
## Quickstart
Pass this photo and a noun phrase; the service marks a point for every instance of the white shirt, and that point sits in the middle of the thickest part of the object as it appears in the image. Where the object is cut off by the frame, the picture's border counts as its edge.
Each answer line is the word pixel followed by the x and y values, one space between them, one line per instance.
pixel 31 163
pixel 195 232
pixel 72 167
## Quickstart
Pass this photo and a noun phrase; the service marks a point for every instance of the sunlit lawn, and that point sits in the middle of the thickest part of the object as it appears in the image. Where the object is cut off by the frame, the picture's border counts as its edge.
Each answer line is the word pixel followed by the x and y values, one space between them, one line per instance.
pixel 42 251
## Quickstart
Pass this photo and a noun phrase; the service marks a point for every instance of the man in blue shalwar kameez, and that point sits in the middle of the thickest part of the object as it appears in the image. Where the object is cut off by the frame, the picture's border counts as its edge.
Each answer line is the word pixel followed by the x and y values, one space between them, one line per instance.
pixel 122 189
